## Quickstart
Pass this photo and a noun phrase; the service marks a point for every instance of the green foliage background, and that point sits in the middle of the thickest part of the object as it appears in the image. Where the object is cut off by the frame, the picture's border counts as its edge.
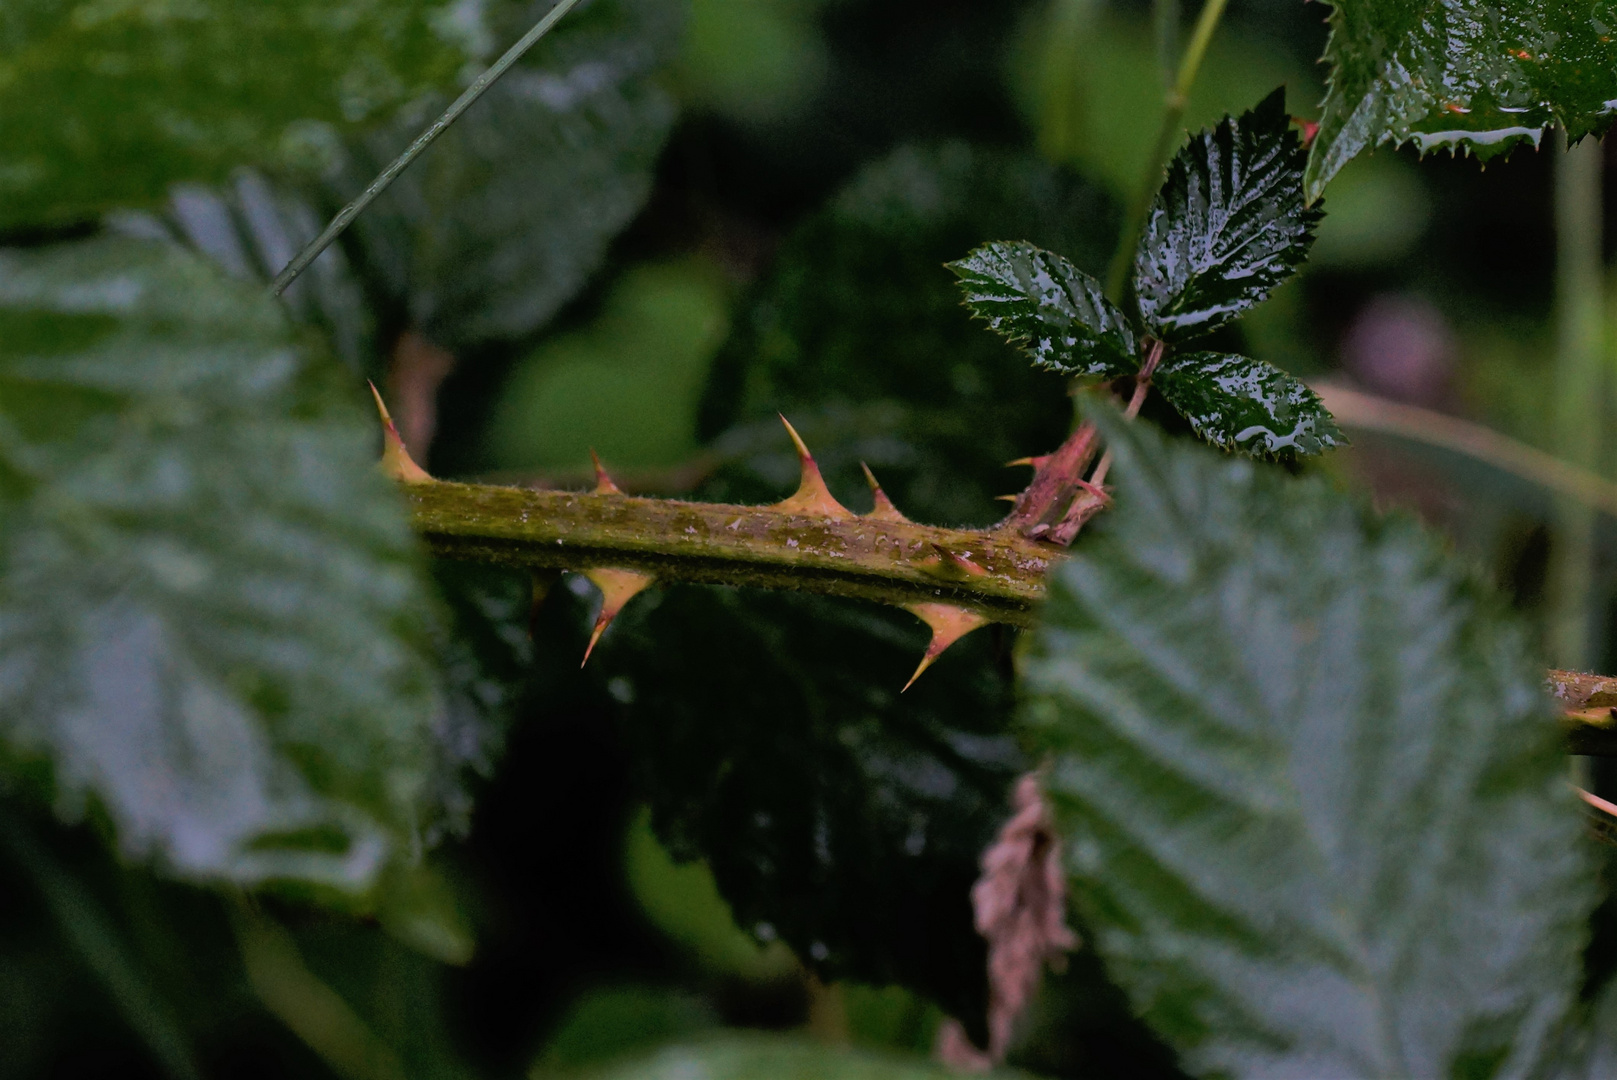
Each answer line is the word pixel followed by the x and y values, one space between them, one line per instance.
pixel 281 797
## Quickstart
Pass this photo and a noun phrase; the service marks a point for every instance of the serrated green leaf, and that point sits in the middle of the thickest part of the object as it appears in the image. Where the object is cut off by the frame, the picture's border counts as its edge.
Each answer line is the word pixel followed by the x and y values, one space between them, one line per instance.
pixel 504 221
pixel 212 622
pixel 1228 225
pixel 1048 308
pixel 1465 74
pixel 107 104
pixel 1238 403
pixel 1314 803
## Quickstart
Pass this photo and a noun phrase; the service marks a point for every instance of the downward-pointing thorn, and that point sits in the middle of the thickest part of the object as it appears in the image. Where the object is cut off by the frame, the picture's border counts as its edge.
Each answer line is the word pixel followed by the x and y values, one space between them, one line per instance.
pixel 884 510
pixel 396 460
pixel 617 587
pixel 949 624
pixel 603 482
pixel 812 497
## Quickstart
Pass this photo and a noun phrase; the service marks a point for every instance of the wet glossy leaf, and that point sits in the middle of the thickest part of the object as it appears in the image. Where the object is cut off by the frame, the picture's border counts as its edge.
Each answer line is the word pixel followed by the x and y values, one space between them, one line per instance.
pixel 1228 225
pixel 211 621
pixel 504 221
pixel 1238 403
pixel 1048 308
pixel 770 738
pixel 766 1057
pixel 858 335
pixel 1314 803
pixel 105 105
pixel 1475 75
pixel 484 656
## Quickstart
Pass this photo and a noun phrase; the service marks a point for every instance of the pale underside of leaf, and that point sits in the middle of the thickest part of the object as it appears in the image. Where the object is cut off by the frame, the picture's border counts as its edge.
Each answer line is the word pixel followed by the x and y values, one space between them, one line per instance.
pixel 211 620
pixel 1316 822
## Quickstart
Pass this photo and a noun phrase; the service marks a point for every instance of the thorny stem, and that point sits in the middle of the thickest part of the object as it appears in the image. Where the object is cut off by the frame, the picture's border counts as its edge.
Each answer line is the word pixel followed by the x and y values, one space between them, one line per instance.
pixel 898 563
pixel 1167 134
pixel 347 214
pixel 997 574
pixel 1082 511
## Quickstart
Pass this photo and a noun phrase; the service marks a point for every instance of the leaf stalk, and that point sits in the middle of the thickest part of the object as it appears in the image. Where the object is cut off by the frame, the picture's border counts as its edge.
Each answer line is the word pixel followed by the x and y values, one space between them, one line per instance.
pixel 347 214
pixel 1173 113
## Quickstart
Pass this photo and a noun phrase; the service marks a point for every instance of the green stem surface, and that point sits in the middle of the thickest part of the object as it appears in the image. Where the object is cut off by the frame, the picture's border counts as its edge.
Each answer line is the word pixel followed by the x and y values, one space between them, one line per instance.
pixel 996 574
pixel 889 562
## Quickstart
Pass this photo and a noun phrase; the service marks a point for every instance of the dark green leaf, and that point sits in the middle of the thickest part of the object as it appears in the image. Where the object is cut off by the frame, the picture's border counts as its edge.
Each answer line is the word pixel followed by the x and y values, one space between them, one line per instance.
pixel 1048 308
pixel 1475 75
pixel 1228 225
pixel 770 1057
pixel 858 335
pixel 1238 403
pixel 504 221
pixel 251 227
pixel 770 738
pixel 485 658
pixel 211 619
pixel 105 105
pixel 1313 800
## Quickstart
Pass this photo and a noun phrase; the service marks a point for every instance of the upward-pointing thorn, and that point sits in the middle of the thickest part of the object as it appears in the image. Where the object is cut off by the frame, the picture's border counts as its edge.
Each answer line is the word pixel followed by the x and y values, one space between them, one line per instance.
pixel 396 460
pixel 884 509
pixel 949 624
pixel 617 587
pixel 812 497
pixel 603 482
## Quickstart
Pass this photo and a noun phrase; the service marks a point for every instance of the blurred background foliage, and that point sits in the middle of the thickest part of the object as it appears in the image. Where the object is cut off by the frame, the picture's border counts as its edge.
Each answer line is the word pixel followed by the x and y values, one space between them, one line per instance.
pixel 674 220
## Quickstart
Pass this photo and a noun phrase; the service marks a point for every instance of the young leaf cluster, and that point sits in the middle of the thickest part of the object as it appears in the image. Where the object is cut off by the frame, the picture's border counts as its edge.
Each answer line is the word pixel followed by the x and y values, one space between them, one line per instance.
pixel 1228 225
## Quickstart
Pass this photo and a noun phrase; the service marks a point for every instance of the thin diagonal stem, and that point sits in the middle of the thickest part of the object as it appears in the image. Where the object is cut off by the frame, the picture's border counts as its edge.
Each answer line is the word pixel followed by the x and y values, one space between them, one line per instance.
pixel 1167 134
pixel 347 214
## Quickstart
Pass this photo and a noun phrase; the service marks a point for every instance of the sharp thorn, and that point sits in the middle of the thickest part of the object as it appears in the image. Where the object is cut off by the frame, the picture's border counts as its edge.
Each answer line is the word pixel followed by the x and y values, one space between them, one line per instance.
pixel 396 460
pixel 1006 498
pixel 617 587
pixel 1036 462
pixel 603 482
pixel 884 510
pixel 948 624
pixel 812 497
pixel 951 566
